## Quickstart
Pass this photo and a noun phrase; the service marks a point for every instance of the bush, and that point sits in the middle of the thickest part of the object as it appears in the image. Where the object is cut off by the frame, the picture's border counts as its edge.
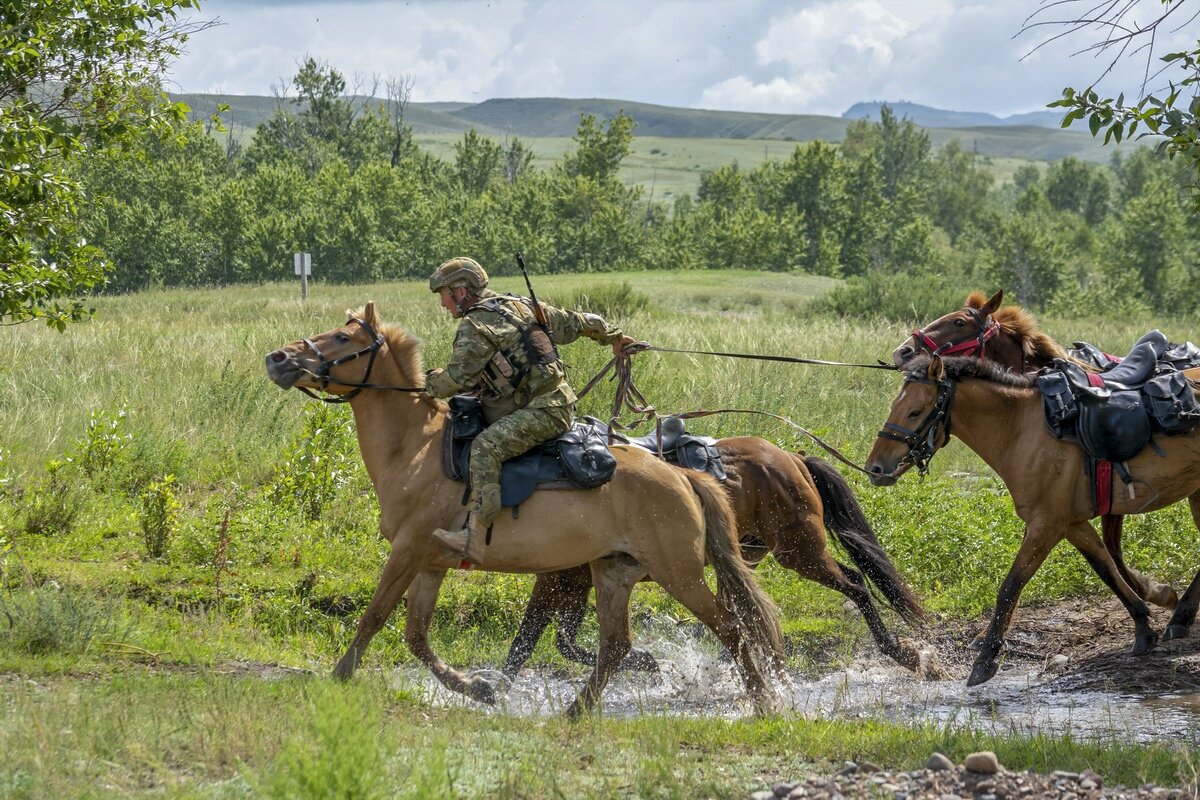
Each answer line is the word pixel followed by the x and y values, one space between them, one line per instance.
pixel 51 620
pixel 899 296
pixel 103 444
pixel 609 300
pixel 53 504
pixel 322 459
pixel 158 515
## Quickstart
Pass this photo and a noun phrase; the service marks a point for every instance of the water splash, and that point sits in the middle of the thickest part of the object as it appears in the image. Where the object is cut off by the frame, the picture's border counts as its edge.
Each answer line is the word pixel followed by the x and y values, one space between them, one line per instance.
pixel 698 679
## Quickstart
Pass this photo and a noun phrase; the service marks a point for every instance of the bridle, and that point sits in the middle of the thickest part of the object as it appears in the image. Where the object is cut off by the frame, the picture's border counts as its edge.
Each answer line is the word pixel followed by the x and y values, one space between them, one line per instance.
pixel 371 350
pixel 973 345
pixel 922 442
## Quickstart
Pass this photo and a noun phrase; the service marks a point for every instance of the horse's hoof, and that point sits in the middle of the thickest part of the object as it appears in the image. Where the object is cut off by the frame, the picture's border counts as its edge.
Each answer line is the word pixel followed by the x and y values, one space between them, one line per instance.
pixel 575 710
pixel 1144 643
pixel 343 671
pixel 640 661
pixel 905 653
pixel 984 670
pixel 1175 631
pixel 481 691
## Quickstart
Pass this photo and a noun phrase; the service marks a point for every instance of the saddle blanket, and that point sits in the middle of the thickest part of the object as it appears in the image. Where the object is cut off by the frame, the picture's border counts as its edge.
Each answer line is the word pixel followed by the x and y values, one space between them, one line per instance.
pixel 579 459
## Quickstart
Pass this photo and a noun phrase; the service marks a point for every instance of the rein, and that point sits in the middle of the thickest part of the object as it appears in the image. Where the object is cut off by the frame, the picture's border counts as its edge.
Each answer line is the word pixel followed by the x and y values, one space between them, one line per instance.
pixel 371 350
pixel 627 397
pixel 639 347
pixel 986 328
pixel 922 442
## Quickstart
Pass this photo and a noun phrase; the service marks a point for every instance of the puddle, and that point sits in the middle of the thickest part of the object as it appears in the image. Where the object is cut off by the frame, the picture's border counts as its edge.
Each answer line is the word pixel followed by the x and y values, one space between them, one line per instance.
pixel 696 681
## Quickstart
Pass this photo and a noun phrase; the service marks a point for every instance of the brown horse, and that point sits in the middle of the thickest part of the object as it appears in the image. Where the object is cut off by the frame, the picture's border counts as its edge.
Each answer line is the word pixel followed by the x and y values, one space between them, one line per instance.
pixel 1009 336
pixel 650 520
pixel 784 504
pixel 998 414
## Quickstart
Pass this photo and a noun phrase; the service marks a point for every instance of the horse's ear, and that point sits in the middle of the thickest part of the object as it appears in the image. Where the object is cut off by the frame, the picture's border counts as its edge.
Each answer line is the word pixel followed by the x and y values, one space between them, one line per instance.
pixel 937 370
pixel 992 305
pixel 369 315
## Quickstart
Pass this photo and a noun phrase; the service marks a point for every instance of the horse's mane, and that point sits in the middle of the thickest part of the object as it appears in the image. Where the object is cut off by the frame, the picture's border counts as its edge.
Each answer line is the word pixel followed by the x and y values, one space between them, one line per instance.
pixel 1017 322
pixel 405 350
pixel 959 367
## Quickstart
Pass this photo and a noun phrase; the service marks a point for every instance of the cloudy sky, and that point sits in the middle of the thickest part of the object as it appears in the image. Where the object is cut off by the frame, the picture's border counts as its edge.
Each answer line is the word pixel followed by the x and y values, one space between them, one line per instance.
pixel 806 56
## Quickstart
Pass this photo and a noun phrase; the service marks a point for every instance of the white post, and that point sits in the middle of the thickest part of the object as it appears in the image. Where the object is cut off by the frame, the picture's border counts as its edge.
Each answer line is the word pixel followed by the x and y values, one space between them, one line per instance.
pixel 303 264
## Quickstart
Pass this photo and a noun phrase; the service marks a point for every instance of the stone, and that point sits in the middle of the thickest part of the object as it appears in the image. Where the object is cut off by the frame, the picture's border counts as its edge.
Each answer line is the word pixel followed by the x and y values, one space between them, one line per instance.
pixel 798 792
pixel 765 794
pixel 869 767
pixel 849 768
pixel 783 789
pixel 983 762
pixel 1093 776
pixel 938 763
pixel 889 787
pixel 1089 784
pixel 1063 775
pixel 1059 660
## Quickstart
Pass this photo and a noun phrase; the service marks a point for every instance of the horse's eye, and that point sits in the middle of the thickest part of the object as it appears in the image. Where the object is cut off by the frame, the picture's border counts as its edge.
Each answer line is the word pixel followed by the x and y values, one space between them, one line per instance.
pixel 958 323
pixel 343 337
pixel 914 414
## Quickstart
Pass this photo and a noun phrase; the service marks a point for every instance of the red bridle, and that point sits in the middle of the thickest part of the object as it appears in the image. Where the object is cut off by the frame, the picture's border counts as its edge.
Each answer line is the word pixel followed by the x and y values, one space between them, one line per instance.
pixel 986 328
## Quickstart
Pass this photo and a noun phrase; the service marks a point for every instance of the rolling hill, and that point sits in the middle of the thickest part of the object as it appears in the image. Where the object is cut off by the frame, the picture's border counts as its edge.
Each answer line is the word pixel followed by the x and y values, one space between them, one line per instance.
pixel 550 118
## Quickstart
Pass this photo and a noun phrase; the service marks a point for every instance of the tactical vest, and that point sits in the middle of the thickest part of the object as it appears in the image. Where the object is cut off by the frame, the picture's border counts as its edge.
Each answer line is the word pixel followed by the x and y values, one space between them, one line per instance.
pixel 510 368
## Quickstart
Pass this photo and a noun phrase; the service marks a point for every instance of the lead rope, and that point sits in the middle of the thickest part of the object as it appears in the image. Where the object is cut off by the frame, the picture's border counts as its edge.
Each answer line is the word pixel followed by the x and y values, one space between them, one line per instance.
pixel 627 397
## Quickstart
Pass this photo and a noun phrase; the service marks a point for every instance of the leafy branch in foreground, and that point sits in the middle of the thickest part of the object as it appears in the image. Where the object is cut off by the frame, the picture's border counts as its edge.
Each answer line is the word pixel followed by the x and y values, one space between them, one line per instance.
pixel 1172 114
pixel 76 77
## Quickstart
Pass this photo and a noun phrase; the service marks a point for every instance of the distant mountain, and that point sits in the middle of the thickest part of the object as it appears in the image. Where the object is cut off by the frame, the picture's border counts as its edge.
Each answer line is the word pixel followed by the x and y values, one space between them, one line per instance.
pixel 929 117
pixel 1018 136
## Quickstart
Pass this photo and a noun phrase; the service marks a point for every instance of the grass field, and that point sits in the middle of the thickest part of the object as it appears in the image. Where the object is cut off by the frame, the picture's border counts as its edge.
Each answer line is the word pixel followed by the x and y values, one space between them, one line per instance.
pixel 112 660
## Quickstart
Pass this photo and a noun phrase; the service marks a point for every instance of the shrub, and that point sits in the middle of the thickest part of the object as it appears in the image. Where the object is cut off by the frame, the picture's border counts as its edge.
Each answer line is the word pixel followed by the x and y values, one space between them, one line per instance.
pixel 50 620
pixel 904 297
pixel 53 504
pixel 609 300
pixel 103 444
pixel 321 460
pixel 158 515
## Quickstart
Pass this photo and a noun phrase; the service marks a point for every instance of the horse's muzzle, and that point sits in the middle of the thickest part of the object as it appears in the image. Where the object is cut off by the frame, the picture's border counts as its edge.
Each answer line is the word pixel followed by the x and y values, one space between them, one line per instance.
pixel 881 477
pixel 282 369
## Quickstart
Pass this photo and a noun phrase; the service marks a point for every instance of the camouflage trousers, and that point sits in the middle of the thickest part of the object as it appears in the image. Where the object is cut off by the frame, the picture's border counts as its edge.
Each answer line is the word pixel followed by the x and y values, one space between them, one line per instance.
pixel 506 438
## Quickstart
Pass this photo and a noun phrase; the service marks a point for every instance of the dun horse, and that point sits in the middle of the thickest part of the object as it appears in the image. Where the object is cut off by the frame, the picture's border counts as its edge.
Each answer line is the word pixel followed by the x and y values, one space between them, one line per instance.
pixel 650 520
pixel 784 504
pixel 1009 336
pixel 998 414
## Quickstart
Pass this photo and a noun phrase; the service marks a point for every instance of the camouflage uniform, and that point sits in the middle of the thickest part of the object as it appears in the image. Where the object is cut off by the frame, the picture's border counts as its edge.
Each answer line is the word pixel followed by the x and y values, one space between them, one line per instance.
pixel 501 351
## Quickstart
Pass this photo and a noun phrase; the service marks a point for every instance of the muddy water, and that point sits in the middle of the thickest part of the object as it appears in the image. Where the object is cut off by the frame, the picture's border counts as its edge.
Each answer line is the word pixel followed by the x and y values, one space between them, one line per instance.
pixel 696 681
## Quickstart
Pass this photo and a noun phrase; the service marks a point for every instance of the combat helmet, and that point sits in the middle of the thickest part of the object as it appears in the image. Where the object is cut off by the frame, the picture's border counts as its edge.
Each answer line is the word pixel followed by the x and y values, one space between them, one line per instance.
pixel 456 272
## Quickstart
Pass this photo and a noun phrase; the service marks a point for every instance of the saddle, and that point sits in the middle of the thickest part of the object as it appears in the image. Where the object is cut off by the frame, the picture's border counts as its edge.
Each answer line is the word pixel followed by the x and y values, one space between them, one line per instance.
pixel 1113 415
pixel 676 446
pixel 578 459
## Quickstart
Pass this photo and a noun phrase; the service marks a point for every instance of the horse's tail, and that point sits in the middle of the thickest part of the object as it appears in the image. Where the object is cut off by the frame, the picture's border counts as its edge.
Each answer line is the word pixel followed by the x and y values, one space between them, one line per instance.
pixel 844 518
pixel 737 590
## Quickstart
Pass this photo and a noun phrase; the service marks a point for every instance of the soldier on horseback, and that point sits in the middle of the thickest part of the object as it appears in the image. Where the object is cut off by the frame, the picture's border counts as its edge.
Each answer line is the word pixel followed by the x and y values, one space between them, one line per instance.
pixel 501 351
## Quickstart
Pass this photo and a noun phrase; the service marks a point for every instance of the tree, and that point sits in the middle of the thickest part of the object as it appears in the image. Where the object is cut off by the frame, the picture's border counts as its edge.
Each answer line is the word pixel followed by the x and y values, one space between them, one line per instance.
pixel 477 160
pixel 600 149
pixel 1172 112
pixel 76 77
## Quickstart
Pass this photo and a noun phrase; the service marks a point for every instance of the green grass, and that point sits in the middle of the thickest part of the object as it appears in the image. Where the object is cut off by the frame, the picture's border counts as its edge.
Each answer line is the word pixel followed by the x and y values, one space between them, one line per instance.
pixel 275 586
pixel 209 735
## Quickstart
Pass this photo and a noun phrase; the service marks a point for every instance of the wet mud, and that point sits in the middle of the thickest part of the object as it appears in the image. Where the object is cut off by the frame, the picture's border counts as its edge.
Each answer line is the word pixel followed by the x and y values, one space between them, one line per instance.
pixel 1067 670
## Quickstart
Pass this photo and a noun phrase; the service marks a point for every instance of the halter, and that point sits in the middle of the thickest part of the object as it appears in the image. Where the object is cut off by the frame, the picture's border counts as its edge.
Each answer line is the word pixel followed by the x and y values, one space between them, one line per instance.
pixel 922 442
pixel 322 373
pixel 973 345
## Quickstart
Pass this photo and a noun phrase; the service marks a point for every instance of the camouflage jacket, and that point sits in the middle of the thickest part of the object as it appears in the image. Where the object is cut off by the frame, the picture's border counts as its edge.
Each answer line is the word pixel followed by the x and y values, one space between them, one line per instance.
pixel 493 354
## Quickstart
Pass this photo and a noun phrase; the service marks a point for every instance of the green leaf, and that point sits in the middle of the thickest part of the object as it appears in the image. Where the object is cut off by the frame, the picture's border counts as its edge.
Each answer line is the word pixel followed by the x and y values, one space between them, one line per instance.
pixel 1094 123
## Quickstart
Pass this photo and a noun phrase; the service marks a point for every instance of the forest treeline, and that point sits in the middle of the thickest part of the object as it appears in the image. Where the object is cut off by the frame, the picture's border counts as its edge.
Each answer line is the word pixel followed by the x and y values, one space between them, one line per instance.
pixel 908 225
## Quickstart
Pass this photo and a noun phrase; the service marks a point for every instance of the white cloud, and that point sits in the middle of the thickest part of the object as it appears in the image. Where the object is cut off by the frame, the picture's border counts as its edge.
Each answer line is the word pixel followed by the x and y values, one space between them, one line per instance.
pixel 789 56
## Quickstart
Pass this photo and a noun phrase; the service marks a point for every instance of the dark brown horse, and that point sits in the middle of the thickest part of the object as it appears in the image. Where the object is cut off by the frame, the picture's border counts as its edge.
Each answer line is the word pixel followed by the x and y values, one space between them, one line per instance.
pixel 784 505
pixel 998 414
pixel 1009 336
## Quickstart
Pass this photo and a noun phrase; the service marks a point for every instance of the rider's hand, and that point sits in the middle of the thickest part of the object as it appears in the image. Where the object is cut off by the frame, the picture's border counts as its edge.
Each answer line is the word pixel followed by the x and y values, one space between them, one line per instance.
pixel 619 345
